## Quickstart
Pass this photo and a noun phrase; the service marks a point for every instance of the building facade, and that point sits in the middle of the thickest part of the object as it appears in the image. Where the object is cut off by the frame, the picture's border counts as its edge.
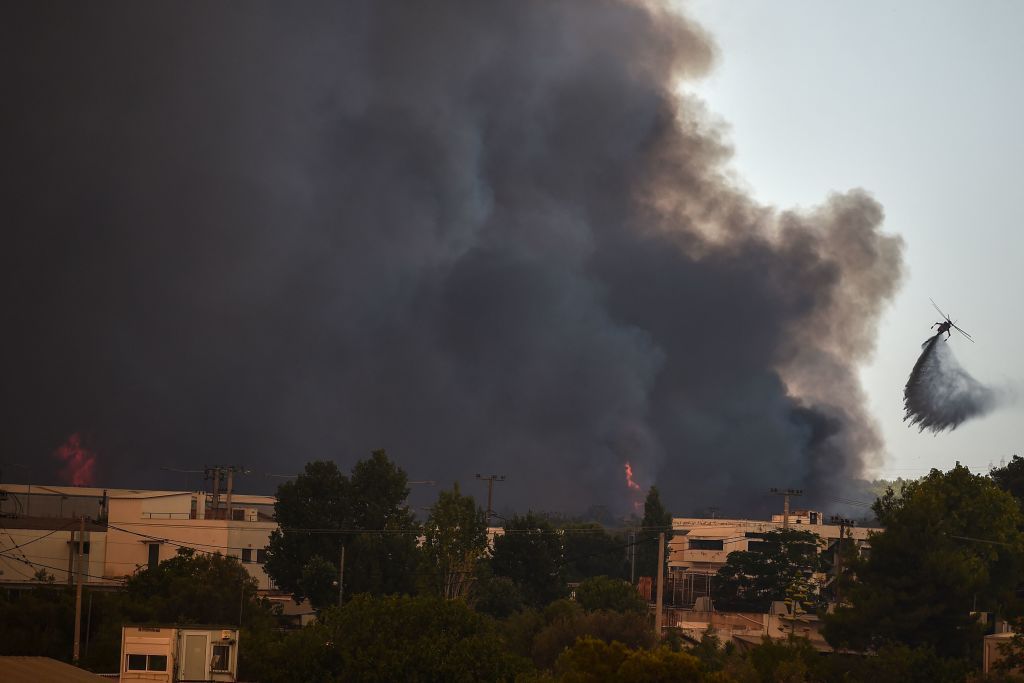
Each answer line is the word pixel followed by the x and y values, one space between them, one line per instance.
pixel 126 529
pixel 699 547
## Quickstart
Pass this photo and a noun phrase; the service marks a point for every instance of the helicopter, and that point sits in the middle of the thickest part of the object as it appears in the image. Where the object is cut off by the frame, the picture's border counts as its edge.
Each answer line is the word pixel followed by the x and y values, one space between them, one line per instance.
pixel 947 324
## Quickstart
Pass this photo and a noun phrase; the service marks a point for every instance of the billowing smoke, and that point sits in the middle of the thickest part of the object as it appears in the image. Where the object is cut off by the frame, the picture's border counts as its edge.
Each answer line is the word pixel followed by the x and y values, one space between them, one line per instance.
pixel 940 394
pixel 485 236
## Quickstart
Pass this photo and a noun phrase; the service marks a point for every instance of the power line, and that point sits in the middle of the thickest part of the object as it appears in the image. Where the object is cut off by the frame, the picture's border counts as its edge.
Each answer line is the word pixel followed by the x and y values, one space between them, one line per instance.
pixel 18 546
pixel 61 569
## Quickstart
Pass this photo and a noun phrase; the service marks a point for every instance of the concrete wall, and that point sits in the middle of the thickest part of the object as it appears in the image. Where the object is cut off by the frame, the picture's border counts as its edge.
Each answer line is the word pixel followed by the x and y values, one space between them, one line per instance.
pixel 53 549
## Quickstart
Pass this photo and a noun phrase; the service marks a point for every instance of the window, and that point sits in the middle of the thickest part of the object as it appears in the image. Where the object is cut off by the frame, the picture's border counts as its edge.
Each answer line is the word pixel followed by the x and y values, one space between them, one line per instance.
pixel 154 555
pixel 146 663
pixel 246 554
pixel 221 658
pixel 706 544
pixel 238 514
pixel 261 555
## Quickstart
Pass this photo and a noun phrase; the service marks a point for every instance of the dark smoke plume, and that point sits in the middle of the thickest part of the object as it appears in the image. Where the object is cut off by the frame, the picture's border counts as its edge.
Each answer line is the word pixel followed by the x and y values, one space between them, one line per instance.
pixel 487 236
pixel 940 394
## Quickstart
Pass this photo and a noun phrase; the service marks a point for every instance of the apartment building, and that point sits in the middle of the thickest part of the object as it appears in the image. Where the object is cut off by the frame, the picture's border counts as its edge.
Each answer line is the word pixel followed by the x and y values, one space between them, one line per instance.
pixel 700 547
pixel 125 529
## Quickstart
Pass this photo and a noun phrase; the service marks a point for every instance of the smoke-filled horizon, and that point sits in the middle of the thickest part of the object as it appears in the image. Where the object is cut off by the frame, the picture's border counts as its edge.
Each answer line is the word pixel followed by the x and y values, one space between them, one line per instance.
pixel 488 237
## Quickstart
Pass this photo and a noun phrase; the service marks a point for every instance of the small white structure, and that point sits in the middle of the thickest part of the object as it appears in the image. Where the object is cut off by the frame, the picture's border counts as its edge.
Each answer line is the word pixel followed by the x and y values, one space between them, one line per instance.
pixel 171 654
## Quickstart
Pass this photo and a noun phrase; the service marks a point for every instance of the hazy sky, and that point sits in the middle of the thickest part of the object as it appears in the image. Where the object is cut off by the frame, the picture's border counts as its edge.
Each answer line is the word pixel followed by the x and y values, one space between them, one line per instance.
pixel 919 103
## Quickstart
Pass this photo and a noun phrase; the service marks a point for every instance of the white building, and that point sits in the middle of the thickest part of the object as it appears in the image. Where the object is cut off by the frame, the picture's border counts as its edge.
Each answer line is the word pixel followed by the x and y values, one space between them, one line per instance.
pixel 133 528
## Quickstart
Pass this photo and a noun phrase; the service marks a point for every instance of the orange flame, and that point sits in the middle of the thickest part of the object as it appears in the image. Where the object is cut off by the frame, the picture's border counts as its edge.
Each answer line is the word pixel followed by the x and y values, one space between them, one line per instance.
pixel 629 478
pixel 634 488
pixel 78 461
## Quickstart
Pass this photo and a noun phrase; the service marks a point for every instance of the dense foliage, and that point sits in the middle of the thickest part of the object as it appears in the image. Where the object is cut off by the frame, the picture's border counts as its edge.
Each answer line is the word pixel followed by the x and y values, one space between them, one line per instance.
pixel 778 566
pixel 606 593
pixel 454 541
pixel 530 554
pixel 323 510
pixel 952 545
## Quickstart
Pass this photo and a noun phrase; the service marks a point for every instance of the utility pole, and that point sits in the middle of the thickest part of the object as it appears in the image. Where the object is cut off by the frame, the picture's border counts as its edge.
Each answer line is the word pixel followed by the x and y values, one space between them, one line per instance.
pixel 785 503
pixel 490 479
pixel 341 576
pixel 78 593
pixel 843 524
pixel 227 498
pixel 632 557
pixel 216 488
pixel 661 585
pixel 225 474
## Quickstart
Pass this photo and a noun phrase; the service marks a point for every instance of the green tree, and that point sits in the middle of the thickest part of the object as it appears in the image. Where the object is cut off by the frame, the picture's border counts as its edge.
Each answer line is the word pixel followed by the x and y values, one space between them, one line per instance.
pixel 606 593
pixel 530 553
pixel 454 541
pixel 591 660
pixel 773 568
pixel 567 623
pixel 397 638
pixel 952 543
pixel 497 596
pixel 656 519
pixel 37 622
pixel 192 587
pixel 1010 478
pixel 592 551
pixel 318 499
pixel 323 510
pixel 319 581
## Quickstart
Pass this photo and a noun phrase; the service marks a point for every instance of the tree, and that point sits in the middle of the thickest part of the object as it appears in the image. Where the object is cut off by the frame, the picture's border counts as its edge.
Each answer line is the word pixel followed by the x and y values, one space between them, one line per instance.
pixel 774 568
pixel 196 588
pixel 606 593
pixel 952 544
pixel 530 553
pixel 591 660
pixel 191 587
pixel 656 519
pixel 497 596
pixel 397 638
pixel 319 498
pixel 1010 478
pixel 454 540
pixel 323 510
pixel 37 622
pixel 592 551
pixel 567 623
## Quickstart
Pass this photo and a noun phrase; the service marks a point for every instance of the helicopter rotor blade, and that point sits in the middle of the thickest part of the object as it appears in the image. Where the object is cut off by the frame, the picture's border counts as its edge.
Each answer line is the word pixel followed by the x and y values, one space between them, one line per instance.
pixel 969 337
pixel 938 309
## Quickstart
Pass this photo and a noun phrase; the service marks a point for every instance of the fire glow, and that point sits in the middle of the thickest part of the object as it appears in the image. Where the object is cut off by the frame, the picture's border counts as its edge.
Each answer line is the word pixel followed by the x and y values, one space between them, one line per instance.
pixel 629 478
pixel 78 461
pixel 634 488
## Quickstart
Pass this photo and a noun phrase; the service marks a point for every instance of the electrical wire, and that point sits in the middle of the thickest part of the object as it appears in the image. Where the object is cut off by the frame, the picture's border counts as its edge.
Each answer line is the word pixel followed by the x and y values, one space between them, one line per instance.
pixel 61 569
pixel 18 546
